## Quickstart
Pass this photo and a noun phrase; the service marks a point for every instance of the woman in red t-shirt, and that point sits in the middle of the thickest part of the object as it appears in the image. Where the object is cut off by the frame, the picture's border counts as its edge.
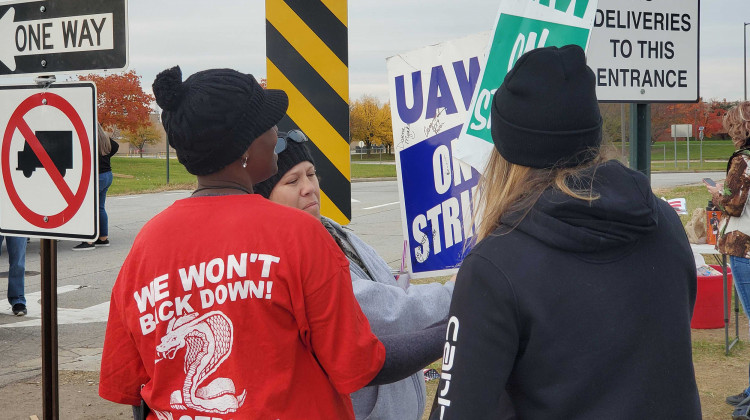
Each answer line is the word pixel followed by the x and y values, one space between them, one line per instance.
pixel 229 306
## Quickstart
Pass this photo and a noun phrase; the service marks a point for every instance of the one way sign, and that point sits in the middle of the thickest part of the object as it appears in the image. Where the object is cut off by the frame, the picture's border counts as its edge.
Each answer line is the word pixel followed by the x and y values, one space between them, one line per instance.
pixel 56 36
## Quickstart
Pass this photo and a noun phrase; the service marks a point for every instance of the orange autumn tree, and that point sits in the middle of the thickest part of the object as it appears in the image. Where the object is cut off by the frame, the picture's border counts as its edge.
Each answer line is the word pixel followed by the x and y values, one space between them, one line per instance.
pixel 370 122
pixel 141 136
pixel 698 114
pixel 715 125
pixel 121 102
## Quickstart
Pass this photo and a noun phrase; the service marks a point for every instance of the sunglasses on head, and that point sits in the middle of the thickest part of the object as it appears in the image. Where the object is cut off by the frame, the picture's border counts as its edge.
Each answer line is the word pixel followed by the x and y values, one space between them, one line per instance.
pixel 296 136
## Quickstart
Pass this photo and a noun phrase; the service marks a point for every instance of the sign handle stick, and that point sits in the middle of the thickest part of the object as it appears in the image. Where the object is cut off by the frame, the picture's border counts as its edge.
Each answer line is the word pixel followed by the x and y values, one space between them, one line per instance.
pixel 50 391
pixel 403 260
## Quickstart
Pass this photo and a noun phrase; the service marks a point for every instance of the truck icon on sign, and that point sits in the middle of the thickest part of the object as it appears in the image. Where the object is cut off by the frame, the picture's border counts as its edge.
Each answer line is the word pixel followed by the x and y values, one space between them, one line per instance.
pixel 57 144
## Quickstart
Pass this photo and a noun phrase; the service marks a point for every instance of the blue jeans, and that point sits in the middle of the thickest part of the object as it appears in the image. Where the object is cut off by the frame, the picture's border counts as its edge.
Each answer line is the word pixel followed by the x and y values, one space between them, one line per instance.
pixel 105 180
pixel 17 262
pixel 741 277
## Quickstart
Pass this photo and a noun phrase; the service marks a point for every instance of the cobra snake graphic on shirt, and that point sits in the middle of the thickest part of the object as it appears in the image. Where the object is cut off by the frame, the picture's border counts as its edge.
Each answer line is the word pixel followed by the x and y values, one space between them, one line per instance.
pixel 208 342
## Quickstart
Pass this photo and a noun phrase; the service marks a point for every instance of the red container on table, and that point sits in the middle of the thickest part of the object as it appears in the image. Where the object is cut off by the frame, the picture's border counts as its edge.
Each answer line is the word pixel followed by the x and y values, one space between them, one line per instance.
pixel 709 306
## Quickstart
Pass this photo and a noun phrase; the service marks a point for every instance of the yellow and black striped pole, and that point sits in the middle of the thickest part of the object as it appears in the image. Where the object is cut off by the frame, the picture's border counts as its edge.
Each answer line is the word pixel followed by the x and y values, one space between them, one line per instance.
pixel 307 55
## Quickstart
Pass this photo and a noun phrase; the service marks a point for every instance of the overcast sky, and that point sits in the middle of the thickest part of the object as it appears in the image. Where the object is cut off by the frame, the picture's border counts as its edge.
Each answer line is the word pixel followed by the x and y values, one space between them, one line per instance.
pixel 205 34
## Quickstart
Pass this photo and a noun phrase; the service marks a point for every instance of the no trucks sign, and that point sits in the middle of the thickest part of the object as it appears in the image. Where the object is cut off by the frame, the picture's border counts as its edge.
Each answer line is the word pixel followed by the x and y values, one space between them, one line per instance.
pixel 48 157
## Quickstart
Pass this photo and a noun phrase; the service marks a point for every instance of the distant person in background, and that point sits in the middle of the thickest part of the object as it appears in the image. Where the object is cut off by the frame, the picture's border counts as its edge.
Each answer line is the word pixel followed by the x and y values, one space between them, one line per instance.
pixel 731 197
pixel 107 148
pixel 389 307
pixel 16 271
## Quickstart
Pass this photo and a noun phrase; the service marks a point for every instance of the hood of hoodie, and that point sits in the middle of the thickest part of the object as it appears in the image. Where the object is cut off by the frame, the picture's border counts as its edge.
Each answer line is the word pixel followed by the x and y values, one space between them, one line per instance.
pixel 625 211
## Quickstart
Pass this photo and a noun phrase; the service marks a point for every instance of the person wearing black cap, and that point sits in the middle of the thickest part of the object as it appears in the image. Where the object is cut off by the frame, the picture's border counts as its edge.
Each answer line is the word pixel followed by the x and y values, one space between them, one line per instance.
pixel 575 303
pixel 228 305
pixel 390 308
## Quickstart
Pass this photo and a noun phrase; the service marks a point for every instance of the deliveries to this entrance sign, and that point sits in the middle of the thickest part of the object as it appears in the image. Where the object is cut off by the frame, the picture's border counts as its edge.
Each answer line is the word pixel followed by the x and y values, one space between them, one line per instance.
pixel 49 162
pixel 646 50
pixel 63 36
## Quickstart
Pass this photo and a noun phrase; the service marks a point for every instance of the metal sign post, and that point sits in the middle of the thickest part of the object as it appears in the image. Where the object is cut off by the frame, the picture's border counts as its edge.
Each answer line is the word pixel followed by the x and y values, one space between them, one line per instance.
pixel 51 401
pixel 167 161
pixel 640 138
pixel 700 137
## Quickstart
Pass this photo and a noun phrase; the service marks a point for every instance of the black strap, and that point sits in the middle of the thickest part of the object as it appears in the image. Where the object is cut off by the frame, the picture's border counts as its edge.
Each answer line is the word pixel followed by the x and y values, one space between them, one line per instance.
pixel 141 412
pixel 222 187
pixel 737 153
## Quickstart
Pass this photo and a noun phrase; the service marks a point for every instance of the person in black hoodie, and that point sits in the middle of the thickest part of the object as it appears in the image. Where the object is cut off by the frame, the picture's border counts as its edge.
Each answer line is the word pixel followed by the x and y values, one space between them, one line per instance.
pixel 576 301
pixel 107 148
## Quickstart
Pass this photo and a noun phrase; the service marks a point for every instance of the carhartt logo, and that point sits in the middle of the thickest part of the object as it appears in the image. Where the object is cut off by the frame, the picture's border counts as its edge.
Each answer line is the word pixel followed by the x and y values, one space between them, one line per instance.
pixel 449 355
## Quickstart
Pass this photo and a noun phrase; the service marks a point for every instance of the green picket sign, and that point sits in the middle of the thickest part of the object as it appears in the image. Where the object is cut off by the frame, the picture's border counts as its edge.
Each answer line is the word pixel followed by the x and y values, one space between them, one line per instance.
pixel 506 50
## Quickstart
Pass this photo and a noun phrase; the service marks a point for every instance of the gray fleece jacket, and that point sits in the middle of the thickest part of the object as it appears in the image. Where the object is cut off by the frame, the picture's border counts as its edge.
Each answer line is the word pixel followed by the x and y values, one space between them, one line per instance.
pixel 393 310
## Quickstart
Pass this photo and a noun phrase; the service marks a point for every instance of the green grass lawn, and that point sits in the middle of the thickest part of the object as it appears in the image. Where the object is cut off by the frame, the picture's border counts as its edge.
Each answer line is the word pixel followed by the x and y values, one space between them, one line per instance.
pixel 695 166
pixel 712 150
pixel 138 175
pixel 661 151
pixel 364 170
pixel 135 175
pixel 695 197
pixel 373 157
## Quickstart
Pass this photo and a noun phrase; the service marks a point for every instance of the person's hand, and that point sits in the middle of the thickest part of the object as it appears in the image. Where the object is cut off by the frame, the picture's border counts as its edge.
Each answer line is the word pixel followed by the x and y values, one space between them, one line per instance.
pixel 716 192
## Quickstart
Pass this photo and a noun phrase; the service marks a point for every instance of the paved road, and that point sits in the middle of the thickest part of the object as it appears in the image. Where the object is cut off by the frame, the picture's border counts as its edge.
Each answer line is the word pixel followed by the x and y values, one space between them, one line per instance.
pixel 85 278
pixel 669 179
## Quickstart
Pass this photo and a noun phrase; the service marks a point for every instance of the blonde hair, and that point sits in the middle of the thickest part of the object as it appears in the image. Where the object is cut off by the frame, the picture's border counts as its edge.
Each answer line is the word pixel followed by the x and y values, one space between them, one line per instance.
pixel 737 123
pixel 105 146
pixel 507 188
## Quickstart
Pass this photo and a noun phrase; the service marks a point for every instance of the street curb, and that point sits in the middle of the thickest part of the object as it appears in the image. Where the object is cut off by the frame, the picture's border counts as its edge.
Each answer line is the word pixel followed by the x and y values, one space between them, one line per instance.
pixel 393 178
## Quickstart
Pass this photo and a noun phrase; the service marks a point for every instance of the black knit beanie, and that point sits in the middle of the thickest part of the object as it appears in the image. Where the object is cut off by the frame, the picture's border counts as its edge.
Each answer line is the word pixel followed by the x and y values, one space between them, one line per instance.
pixel 288 159
pixel 212 117
pixel 545 113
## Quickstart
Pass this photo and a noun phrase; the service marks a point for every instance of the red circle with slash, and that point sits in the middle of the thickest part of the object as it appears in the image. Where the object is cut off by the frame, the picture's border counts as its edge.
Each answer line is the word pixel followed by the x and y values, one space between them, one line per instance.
pixel 74 200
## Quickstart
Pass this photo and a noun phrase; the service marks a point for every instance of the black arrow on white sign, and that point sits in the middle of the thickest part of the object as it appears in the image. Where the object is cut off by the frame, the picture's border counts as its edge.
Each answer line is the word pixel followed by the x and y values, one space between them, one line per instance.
pixel 55 36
